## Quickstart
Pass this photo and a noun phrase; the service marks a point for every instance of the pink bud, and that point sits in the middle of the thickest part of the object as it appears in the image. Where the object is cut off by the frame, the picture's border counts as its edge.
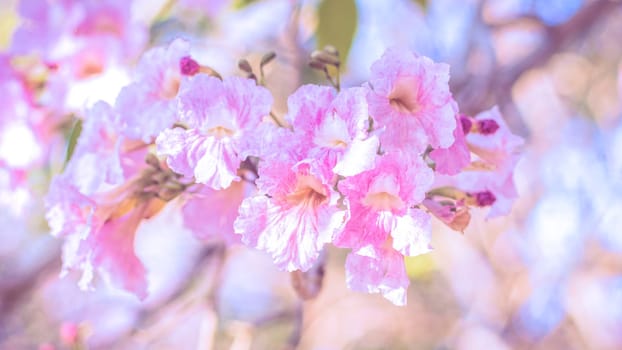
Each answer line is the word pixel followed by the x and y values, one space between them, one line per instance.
pixel 188 66
pixel 466 123
pixel 485 198
pixel 487 126
pixel 69 333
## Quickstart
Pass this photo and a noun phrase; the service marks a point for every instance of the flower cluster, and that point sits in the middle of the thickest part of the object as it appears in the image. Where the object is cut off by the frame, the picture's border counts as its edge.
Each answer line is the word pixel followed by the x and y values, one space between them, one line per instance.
pixel 363 168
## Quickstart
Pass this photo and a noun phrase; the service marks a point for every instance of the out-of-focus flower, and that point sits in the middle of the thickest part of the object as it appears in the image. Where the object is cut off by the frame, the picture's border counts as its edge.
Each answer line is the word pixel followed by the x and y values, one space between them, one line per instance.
pixel 488 178
pixel 453 159
pixel 98 236
pixel 149 105
pixel 106 190
pixel 210 213
pixel 496 152
pixel 83 36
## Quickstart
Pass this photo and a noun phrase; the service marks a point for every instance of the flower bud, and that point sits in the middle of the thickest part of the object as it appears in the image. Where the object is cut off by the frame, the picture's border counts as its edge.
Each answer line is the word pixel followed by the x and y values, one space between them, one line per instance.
pixel 188 66
pixel 317 65
pixel 325 58
pixel 267 58
pixel 466 123
pixel 152 160
pixel 245 66
pixel 487 126
pixel 69 333
pixel 330 49
pixel 485 198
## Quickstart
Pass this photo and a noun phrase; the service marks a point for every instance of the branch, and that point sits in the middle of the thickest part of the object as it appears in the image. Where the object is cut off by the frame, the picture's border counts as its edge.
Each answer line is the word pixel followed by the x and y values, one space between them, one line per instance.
pixel 475 93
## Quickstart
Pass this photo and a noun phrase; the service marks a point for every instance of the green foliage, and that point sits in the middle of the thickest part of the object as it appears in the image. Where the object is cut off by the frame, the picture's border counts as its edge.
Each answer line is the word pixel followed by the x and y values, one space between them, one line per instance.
pixel 337 25
pixel 76 130
pixel 241 3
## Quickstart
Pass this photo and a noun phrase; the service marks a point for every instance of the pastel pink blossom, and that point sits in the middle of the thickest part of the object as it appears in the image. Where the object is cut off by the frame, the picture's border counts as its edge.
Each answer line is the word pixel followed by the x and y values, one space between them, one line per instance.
pixel 97 203
pixel 498 146
pixel 148 105
pixel 409 96
pixel 384 224
pixel 68 210
pixel 86 35
pixel 99 234
pixel 96 160
pixel 221 118
pixel 111 251
pixel 495 152
pixel 378 270
pixel 210 214
pixel 499 182
pixel 452 160
pixel 336 125
pixel 380 200
pixel 295 213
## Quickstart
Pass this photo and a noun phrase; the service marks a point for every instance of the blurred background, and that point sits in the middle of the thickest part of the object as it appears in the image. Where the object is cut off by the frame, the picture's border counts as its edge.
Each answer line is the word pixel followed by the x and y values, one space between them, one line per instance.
pixel 549 276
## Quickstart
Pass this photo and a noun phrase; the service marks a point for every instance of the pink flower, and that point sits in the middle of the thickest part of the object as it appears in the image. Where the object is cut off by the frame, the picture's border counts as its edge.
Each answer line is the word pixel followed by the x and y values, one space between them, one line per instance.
pixel 210 214
pixel 68 210
pixel 381 198
pixel 222 116
pixel 452 160
pixel 86 35
pixel 149 105
pixel 488 180
pixel 497 152
pixel 96 160
pixel 99 234
pixel 384 225
pixel 110 249
pixel 69 333
pixel 494 143
pixel 336 126
pixel 410 97
pixel 378 270
pixel 96 205
pixel 295 212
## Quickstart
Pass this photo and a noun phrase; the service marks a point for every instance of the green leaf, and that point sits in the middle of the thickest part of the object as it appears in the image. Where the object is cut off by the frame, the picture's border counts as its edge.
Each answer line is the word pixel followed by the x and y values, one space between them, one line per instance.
pixel 337 25
pixel 238 4
pixel 76 130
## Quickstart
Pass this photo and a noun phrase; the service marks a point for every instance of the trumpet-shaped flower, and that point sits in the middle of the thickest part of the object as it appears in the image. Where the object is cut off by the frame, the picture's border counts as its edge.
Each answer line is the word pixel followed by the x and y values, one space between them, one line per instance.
pixel 336 127
pixel 210 214
pixel 410 97
pixel 148 105
pixel 221 117
pixel 383 224
pixel 453 159
pixel 295 212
